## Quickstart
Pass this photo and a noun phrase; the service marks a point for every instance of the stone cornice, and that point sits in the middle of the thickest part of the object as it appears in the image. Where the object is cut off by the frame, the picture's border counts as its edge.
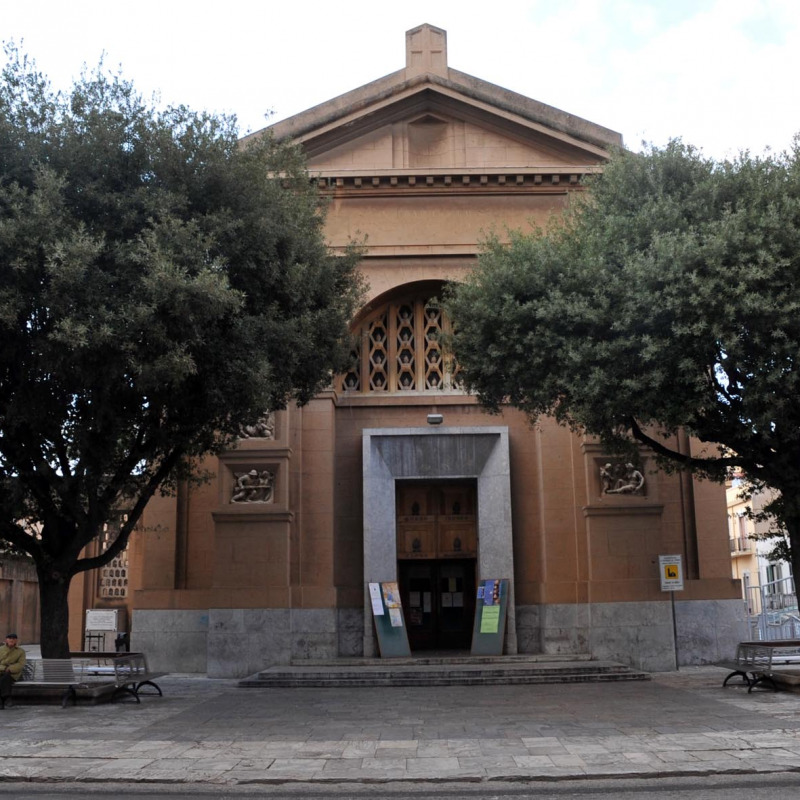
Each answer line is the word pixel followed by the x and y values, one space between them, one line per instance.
pixel 451 180
pixel 623 509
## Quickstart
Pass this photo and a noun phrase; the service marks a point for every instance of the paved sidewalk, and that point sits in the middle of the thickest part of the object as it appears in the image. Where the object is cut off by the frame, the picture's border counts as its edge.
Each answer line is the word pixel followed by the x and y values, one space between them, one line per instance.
pixel 211 731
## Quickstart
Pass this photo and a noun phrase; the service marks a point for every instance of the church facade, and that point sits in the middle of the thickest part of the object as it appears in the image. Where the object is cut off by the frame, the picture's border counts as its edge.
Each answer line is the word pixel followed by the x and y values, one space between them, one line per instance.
pixel 395 474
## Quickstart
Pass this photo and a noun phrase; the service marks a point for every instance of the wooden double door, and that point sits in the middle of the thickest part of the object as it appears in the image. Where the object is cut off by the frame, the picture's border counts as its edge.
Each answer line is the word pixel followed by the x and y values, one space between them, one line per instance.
pixel 438 602
pixel 437 545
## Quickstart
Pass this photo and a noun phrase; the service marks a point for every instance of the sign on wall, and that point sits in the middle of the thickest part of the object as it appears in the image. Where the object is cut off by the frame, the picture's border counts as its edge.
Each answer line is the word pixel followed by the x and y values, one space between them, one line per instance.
pixel 671 570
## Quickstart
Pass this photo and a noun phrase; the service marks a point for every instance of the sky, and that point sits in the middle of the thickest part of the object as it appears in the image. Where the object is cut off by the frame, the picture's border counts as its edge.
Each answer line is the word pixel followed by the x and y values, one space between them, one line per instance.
pixel 721 74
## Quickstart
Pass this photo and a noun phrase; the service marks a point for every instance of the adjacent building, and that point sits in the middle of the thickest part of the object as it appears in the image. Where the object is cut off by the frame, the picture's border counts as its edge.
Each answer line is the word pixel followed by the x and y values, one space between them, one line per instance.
pixel 768 590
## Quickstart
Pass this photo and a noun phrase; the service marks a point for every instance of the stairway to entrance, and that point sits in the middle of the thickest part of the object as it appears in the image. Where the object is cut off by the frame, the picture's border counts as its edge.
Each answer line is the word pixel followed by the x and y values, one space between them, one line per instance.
pixel 453 670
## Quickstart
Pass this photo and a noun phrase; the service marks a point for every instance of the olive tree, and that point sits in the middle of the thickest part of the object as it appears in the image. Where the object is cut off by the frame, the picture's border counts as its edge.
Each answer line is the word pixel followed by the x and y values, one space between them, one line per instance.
pixel 666 298
pixel 160 284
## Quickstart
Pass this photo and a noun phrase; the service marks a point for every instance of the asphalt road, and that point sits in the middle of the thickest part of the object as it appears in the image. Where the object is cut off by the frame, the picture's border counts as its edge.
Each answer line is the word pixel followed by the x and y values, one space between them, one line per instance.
pixel 780 786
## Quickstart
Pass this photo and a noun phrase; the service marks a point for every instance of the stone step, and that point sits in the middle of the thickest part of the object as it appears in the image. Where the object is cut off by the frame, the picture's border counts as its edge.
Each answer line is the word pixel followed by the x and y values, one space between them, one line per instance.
pixel 447 657
pixel 443 673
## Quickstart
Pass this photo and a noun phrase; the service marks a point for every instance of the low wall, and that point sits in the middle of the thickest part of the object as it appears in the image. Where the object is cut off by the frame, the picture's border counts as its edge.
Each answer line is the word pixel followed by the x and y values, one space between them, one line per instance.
pixel 638 634
pixel 237 642
pixel 173 640
pixel 242 641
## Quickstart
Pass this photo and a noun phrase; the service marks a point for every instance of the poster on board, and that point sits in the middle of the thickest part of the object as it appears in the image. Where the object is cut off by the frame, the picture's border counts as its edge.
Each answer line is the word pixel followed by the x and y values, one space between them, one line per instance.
pixel 488 633
pixel 387 614
pixel 375 599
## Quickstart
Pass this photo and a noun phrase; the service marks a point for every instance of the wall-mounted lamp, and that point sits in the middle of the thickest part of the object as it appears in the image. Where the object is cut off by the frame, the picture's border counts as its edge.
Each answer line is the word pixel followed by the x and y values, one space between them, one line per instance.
pixel 435 419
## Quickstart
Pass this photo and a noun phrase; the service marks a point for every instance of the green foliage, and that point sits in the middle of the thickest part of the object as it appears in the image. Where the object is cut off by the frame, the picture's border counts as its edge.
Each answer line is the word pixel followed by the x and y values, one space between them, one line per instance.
pixel 667 297
pixel 159 284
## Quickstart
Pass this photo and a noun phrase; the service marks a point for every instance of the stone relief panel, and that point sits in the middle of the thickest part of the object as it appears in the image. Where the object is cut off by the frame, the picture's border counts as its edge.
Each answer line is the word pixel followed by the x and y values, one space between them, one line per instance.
pixel 621 479
pixel 263 428
pixel 253 486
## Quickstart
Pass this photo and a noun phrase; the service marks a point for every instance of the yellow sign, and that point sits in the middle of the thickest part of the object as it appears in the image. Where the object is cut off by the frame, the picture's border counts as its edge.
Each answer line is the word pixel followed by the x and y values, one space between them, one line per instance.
pixel 671 573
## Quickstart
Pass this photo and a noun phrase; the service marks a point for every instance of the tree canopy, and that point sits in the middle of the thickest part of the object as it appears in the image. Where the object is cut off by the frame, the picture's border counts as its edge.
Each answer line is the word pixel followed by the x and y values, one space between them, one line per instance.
pixel 160 284
pixel 667 297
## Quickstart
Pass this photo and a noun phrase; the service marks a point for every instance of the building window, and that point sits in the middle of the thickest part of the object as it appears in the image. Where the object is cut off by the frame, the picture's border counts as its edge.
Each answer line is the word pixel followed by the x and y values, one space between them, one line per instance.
pixel 400 348
pixel 774 574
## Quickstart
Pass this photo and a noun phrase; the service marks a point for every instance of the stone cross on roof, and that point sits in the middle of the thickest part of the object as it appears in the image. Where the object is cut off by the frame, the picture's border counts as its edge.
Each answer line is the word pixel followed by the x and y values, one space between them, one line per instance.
pixel 426 51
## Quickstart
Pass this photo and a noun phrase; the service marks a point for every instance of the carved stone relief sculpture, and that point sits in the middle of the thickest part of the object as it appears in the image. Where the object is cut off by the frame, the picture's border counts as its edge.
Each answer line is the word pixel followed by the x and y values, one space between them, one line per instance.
pixel 253 487
pixel 621 479
pixel 263 428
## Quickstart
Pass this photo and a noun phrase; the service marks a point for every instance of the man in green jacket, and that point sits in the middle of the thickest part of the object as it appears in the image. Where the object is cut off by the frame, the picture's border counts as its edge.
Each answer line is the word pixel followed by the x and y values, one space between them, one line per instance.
pixel 12 662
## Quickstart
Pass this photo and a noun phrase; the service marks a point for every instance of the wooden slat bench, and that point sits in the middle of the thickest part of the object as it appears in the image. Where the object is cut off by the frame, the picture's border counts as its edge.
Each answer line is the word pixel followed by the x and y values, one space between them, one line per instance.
pixel 760 663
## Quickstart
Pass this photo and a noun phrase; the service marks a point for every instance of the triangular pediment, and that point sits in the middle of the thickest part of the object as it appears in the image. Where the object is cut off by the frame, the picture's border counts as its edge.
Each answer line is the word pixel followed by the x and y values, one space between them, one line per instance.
pixel 431 116
pixel 454 136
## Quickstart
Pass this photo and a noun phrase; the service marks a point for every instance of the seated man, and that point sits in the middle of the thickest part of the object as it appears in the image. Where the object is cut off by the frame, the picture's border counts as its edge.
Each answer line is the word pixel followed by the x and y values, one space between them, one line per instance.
pixel 12 662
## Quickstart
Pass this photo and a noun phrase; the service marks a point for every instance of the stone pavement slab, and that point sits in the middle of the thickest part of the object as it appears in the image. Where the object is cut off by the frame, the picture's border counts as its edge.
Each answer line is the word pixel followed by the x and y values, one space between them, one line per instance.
pixel 212 731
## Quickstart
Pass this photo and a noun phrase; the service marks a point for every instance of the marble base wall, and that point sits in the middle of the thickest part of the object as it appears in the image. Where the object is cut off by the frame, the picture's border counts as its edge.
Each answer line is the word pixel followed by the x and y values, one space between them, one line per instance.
pixel 638 634
pixel 709 630
pixel 351 632
pixel 174 641
pixel 242 641
pixel 237 642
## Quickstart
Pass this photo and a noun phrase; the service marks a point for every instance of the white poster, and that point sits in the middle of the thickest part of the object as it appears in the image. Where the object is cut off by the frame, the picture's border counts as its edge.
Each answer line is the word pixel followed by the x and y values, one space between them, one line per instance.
pixel 396 617
pixel 375 597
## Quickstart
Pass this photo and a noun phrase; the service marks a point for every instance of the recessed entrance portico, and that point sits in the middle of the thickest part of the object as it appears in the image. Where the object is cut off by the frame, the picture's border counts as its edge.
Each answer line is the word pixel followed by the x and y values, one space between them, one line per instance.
pixel 480 453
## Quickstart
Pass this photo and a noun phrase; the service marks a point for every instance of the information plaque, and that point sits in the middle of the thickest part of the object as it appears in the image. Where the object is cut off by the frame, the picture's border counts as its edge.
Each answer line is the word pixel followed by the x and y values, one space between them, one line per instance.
pixel 101 619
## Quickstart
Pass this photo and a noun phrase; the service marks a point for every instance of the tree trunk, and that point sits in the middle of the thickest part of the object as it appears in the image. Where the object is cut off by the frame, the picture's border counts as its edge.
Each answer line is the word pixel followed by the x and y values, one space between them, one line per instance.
pixel 54 616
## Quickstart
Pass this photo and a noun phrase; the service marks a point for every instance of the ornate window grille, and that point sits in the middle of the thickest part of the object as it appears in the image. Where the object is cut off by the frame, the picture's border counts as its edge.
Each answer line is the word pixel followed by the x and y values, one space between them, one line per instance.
pixel 112 579
pixel 400 348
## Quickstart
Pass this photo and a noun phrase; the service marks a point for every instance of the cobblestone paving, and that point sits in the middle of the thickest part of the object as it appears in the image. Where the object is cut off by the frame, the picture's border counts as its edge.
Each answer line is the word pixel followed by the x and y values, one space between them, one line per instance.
pixel 211 731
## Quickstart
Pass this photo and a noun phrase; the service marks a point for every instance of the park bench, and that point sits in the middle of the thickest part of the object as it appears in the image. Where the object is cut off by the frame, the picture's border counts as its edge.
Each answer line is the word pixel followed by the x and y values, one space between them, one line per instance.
pixel 129 671
pixel 97 675
pixel 760 663
pixel 55 673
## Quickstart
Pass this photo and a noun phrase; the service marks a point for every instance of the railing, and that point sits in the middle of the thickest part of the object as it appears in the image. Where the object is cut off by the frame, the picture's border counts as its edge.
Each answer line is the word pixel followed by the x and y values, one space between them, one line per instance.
pixel 741 544
pixel 772 611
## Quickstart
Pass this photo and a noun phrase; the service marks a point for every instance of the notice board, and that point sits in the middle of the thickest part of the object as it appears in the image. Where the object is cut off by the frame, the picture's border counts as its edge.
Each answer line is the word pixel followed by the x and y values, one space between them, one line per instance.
pixel 491 607
pixel 390 627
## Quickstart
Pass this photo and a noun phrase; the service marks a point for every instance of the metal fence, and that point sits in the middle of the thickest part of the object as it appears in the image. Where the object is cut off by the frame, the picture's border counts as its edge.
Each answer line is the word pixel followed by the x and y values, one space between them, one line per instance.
pixel 772 611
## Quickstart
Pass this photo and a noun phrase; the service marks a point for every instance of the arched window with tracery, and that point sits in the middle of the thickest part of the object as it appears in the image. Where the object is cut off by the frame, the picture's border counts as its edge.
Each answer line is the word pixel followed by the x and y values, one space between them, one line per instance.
pixel 400 347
